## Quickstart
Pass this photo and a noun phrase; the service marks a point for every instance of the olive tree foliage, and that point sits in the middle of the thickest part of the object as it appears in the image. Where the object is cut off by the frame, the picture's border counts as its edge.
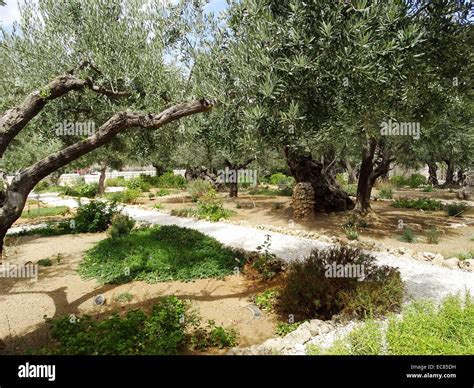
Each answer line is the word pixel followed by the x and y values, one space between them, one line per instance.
pixel 314 79
pixel 81 60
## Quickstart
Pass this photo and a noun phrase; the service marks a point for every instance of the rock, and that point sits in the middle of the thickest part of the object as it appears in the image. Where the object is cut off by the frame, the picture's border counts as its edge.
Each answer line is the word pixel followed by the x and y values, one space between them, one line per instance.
pixel 467 265
pixel 300 348
pixel 438 260
pixel 429 255
pixel 300 335
pixel 452 263
pixel 402 251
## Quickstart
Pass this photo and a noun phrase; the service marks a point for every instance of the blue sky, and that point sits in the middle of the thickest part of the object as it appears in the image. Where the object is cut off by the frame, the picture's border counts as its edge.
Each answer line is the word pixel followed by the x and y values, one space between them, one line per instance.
pixel 10 12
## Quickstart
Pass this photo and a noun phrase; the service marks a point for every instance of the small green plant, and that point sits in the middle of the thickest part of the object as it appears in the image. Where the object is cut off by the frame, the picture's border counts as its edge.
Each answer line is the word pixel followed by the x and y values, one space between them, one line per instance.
pixel 126 196
pixel 416 180
pixel 467 255
pixel 221 337
pixel 198 188
pixel 45 262
pixel 115 182
pixel 266 300
pixel 399 181
pixel 169 180
pixel 386 191
pixel 211 208
pixel 88 190
pixel 419 204
pixel 351 233
pixel 95 216
pixel 123 297
pixel 284 328
pixel 456 209
pixel 121 226
pixel 428 189
pixel 138 184
pixel 265 262
pixel 433 235
pixel 158 206
pixel 408 235
pixel 162 192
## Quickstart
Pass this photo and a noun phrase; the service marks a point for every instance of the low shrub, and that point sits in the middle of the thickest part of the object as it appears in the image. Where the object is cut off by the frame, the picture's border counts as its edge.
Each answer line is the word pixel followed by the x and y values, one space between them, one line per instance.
pixel 350 189
pixel 126 196
pixel 284 328
pixel 433 235
pixel 408 235
pixel 169 180
pixel 266 300
pixel 197 188
pixel 123 297
pixel 455 209
pixel 419 204
pixel 351 233
pixel 115 182
pixel 45 262
pixel 138 184
pixel 211 208
pixel 121 226
pixel 465 255
pixel 311 289
pixel 96 216
pixel 386 191
pixel 417 180
pixel 162 192
pixel 282 180
pixel 88 190
pixel 399 181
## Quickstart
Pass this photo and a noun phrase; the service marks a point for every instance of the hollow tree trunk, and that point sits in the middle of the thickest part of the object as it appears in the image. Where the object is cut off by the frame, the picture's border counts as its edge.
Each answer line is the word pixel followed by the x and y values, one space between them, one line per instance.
pixel 449 181
pixel 329 197
pixel 433 173
pixel 103 170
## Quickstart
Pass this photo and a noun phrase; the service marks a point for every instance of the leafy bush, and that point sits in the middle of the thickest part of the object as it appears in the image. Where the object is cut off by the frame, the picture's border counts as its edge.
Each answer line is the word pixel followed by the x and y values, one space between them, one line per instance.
pixel 121 226
pixel 417 180
pixel 350 189
pixel 455 209
pixel 386 191
pixel 197 188
pixel 282 180
pixel 41 186
pixel 162 332
pixel 138 184
pixel 408 235
pixel 399 181
pixel 169 180
pixel 266 300
pixel 162 192
pixel 158 254
pixel 465 255
pixel 88 190
pixel 428 189
pixel 126 196
pixel 45 262
pixel 308 291
pixel 151 180
pixel 419 204
pixel 433 235
pixel 211 208
pixel 115 182
pixel 218 336
pixel 284 328
pixel 95 216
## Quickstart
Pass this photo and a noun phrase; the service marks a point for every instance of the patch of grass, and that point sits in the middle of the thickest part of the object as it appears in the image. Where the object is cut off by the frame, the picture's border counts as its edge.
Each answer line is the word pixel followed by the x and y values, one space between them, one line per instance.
pixel 311 289
pixel 123 297
pixel 115 182
pixel 45 262
pixel 208 208
pixel 163 192
pixel 423 329
pixel 408 235
pixel 419 204
pixel 158 254
pixel 159 206
pixel 51 229
pixel 126 196
pixel 433 235
pixel 284 328
pixel 88 190
pixel 213 336
pixel 44 212
pixel 455 209
pixel 169 180
pixel 428 189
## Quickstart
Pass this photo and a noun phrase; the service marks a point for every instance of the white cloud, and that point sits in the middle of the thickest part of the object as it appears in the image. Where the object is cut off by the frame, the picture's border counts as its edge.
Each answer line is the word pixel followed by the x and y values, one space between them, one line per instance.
pixel 9 13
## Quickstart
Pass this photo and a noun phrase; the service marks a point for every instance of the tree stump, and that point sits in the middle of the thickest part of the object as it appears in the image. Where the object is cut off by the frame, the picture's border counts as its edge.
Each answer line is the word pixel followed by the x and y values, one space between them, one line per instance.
pixel 303 201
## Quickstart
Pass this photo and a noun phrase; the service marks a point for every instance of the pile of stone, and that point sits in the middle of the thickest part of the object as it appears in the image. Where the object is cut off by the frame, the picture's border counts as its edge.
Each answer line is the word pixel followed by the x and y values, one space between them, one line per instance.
pixel 303 201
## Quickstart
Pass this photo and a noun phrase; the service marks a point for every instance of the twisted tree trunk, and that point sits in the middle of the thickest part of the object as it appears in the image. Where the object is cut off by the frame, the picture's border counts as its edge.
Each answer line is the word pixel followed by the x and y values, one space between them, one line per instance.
pixel 329 197
pixel 433 173
pixel 449 181
pixel 233 186
pixel 103 170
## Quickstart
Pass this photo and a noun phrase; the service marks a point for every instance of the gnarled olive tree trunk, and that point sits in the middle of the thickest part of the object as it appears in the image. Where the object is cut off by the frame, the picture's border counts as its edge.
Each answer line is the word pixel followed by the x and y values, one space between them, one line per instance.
pixel 329 197
pixel 433 173
pixel 234 186
pixel 375 163
pixel 13 196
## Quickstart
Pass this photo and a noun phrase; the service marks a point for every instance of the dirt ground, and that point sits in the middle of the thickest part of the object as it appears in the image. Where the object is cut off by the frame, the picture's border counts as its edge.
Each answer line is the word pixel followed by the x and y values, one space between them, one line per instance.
pixel 60 291
pixel 456 233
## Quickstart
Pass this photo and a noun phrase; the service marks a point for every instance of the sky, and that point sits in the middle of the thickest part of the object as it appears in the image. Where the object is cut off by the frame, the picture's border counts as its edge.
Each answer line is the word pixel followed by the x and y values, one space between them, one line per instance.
pixel 10 12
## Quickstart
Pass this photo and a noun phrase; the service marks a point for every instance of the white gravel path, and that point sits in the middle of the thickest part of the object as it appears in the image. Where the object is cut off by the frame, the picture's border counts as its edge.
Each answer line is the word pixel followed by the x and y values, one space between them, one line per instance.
pixel 422 279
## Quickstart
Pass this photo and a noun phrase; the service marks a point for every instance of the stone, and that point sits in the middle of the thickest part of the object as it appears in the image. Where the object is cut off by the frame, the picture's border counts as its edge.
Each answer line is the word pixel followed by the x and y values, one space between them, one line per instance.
pixel 300 335
pixel 429 255
pixel 467 265
pixel 438 260
pixel 452 263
